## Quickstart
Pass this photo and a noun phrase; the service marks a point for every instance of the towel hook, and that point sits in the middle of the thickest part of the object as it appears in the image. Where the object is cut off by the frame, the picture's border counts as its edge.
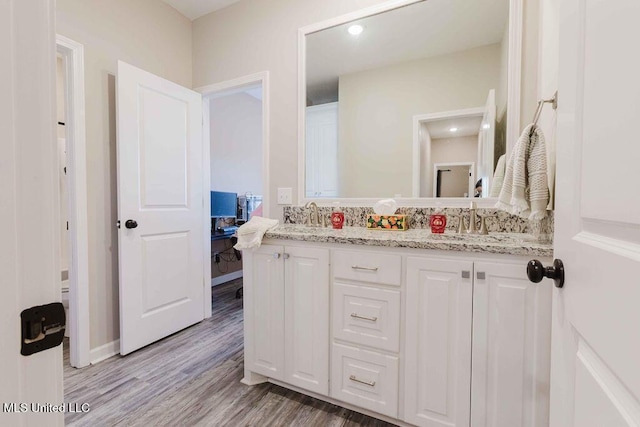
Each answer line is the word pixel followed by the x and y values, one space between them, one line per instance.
pixel 554 104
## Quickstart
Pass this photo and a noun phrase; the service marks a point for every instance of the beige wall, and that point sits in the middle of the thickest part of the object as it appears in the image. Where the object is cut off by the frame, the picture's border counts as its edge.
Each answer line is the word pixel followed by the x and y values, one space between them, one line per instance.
pixel 376 109
pixel 463 149
pixel 236 144
pixel 255 35
pixel 448 150
pixel 147 34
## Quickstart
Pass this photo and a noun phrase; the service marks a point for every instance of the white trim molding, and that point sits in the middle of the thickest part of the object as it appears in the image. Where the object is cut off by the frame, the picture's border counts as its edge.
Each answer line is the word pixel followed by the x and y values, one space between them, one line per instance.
pixel 229 87
pixel 78 323
pixel 105 351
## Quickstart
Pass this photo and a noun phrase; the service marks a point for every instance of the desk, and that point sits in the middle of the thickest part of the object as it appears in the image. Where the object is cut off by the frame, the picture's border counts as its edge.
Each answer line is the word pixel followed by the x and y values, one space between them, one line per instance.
pixel 229 268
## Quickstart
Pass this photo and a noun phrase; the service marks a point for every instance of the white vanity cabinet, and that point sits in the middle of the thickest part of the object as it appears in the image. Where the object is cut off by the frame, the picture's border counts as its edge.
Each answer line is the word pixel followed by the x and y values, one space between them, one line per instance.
pixel 366 293
pixel 437 379
pixel 431 338
pixel 286 296
pixel 511 347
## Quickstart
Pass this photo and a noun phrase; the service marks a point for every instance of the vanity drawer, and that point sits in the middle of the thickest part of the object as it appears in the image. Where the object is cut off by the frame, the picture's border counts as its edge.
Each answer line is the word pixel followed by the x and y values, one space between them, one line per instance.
pixel 365 266
pixel 365 378
pixel 367 315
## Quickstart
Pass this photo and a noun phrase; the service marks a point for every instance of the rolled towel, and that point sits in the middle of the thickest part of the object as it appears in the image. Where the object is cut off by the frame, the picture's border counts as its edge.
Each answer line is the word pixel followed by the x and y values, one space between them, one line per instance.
pixel 525 190
pixel 250 234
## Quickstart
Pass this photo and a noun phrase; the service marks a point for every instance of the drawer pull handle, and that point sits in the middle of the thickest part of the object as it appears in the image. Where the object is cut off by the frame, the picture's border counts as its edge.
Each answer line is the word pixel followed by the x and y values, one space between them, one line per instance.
pixel 357 267
pixel 357 316
pixel 369 383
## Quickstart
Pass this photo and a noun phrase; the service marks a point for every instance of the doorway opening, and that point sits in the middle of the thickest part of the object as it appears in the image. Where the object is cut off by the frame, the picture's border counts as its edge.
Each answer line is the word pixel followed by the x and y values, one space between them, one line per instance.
pixel 453 179
pixel 71 140
pixel 235 118
pixel 456 138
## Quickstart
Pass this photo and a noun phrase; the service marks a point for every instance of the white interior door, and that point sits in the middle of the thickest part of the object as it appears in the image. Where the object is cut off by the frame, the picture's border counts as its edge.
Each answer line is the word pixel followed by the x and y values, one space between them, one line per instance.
pixel 595 374
pixel 29 207
pixel 160 188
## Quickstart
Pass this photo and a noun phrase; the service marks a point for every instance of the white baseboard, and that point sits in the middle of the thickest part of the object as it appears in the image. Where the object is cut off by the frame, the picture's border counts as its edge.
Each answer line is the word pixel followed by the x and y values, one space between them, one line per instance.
pixel 104 352
pixel 225 278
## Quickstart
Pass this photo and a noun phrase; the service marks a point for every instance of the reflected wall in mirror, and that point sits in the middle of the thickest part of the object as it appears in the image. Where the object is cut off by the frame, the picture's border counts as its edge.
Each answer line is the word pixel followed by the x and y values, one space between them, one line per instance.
pixel 381 105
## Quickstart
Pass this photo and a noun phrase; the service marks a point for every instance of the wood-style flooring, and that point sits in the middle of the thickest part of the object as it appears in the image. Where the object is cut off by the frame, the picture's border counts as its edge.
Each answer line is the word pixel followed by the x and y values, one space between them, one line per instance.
pixel 192 378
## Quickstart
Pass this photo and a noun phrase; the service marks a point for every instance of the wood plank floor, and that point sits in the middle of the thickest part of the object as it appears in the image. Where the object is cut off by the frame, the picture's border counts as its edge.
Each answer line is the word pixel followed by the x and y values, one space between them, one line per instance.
pixel 192 378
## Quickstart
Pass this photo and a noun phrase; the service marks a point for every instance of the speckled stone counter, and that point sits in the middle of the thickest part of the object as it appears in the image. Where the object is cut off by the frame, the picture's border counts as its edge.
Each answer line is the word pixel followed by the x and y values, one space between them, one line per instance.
pixel 497 243
pixel 496 220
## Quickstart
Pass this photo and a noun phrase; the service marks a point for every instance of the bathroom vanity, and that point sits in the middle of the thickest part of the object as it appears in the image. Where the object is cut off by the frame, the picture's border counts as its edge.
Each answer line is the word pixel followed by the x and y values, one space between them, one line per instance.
pixel 409 327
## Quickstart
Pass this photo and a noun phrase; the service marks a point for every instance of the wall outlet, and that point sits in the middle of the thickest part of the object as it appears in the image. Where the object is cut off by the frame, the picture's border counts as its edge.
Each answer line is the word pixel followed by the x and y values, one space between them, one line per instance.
pixel 285 196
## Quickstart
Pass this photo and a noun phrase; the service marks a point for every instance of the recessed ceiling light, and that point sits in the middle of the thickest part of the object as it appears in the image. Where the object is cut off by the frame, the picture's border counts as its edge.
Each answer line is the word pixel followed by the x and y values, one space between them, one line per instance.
pixel 355 29
pixel 453 129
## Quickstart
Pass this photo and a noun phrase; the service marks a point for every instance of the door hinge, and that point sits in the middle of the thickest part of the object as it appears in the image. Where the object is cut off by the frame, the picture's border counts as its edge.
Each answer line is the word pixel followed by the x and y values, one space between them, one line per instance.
pixel 42 328
pixel 118 223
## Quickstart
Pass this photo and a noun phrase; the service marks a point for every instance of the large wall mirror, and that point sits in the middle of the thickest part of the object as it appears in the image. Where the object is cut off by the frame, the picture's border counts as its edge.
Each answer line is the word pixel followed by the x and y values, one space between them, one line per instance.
pixel 417 101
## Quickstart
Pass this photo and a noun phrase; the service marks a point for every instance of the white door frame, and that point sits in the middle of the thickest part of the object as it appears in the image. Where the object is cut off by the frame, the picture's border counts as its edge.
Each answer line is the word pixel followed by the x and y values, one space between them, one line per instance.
pixel 78 323
pixel 472 167
pixel 229 87
pixel 418 120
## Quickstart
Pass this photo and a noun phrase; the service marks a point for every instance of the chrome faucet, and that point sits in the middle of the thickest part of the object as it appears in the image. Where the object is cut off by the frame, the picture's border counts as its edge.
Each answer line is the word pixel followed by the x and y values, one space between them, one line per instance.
pixel 313 218
pixel 471 228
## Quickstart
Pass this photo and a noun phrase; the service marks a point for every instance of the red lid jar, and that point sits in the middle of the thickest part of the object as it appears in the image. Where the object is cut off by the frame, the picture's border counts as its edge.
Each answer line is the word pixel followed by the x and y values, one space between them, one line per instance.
pixel 337 219
pixel 438 223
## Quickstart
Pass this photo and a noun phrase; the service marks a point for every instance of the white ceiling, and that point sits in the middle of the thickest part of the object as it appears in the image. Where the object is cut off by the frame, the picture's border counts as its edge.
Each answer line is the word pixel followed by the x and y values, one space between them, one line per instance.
pixel 429 28
pixel 194 9
pixel 467 126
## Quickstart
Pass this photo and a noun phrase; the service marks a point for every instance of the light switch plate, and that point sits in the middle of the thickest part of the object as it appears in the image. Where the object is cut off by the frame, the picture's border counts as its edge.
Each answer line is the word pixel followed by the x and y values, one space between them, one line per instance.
pixel 285 196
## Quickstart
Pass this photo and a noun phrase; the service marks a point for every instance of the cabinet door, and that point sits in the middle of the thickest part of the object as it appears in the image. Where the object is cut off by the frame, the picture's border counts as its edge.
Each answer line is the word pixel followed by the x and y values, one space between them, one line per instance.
pixel 307 318
pixel 511 347
pixel 264 311
pixel 438 342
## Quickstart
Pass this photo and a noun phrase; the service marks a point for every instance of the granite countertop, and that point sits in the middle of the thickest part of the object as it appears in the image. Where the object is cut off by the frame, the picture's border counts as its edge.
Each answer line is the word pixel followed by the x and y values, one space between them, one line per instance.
pixel 497 243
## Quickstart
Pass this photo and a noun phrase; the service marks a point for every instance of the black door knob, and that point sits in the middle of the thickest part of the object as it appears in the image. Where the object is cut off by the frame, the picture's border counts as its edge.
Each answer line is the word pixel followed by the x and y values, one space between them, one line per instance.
pixel 130 223
pixel 536 271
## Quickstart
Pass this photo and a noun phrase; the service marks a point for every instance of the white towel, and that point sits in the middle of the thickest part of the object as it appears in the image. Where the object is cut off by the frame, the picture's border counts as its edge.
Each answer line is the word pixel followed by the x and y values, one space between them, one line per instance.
pixel 250 233
pixel 525 191
pixel 498 177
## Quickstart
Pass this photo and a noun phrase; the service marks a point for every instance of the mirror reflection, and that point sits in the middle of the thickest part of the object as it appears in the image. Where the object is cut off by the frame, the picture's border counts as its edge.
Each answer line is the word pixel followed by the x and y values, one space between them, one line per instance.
pixel 408 103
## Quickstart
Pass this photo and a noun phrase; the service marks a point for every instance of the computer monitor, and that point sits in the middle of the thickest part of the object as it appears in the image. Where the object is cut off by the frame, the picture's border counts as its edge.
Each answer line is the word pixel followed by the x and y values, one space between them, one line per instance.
pixel 223 204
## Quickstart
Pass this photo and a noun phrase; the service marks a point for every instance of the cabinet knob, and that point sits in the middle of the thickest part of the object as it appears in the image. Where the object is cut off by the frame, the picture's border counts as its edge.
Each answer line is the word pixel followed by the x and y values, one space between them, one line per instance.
pixel 285 256
pixel 536 271
pixel 276 255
